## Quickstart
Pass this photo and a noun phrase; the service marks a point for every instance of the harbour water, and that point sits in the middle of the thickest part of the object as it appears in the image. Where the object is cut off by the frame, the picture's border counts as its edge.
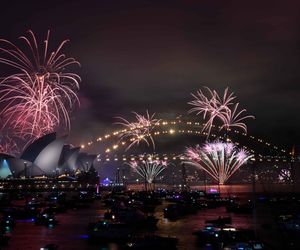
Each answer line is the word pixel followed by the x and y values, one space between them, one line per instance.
pixel 71 232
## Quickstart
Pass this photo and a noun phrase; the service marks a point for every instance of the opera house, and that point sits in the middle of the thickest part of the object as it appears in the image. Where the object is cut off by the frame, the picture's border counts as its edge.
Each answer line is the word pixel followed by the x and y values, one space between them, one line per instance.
pixel 48 156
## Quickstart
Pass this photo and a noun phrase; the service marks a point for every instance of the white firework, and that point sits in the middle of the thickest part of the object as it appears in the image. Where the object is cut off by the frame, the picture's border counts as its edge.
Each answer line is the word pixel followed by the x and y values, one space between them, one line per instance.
pixel 139 130
pixel 285 175
pixel 214 107
pixel 148 169
pixel 220 160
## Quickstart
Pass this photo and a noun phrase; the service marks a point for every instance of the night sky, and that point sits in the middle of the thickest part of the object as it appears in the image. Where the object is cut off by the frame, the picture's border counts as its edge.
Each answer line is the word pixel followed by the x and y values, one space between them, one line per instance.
pixel 139 55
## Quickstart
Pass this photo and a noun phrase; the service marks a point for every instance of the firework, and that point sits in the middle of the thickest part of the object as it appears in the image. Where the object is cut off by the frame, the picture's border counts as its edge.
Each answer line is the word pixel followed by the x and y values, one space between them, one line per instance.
pixel 8 146
pixel 285 175
pixel 38 97
pixel 31 112
pixel 148 169
pixel 205 105
pixel 214 107
pixel 218 159
pixel 234 118
pixel 139 130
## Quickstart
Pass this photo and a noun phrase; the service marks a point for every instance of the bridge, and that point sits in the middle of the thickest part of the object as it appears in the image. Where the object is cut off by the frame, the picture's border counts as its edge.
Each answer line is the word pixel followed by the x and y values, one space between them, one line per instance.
pixel 273 164
pixel 109 147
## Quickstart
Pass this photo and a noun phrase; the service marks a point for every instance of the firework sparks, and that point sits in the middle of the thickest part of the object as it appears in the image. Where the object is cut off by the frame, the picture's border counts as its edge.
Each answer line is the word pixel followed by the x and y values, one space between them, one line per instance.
pixel 148 169
pixel 234 118
pixel 206 105
pixel 31 112
pixel 38 98
pixel 139 130
pixel 285 175
pixel 214 107
pixel 8 146
pixel 220 160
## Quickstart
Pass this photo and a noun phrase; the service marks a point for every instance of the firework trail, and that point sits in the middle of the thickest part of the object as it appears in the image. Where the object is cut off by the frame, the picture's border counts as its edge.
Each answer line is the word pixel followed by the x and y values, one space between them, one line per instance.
pixel 220 160
pixel 206 106
pixel 139 130
pixel 8 146
pixel 37 99
pixel 148 169
pixel 285 175
pixel 234 118
pixel 32 108
pixel 212 107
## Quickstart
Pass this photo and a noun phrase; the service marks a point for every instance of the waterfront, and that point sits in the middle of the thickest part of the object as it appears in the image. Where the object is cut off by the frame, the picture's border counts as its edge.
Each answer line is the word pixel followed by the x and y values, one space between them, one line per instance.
pixel 71 232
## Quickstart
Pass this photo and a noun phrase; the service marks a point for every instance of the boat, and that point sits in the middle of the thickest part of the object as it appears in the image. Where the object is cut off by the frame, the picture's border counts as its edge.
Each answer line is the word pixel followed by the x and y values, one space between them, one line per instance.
pixel 3 239
pixel 251 245
pixel 132 217
pixel 149 222
pixel 20 212
pixel 153 242
pixel 221 221
pixel 174 211
pixel 244 208
pixel 7 221
pixel 289 222
pixel 215 235
pixel 49 247
pixel 45 218
pixel 107 231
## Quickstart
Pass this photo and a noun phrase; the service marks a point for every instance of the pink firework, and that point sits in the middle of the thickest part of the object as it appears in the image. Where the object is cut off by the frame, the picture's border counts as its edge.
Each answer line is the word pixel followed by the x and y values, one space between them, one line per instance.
pixel 8 146
pixel 214 107
pixel 205 104
pixel 37 99
pixel 138 130
pixel 234 118
pixel 33 108
pixel 220 160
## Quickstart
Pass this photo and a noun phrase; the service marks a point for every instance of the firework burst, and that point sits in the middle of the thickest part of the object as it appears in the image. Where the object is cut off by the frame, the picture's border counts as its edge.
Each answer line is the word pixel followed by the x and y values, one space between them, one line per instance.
pixel 218 159
pixel 38 97
pixel 32 108
pixel 212 107
pixel 139 130
pixel 148 168
pixel 234 118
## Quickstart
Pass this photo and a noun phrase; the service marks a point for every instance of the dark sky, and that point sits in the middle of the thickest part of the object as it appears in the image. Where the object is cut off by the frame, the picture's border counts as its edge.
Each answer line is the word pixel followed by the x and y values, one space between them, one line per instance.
pixel 139 55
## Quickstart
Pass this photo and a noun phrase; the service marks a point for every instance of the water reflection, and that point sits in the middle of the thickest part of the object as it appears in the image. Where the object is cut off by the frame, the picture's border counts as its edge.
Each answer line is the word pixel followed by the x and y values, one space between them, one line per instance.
pixel 71 232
